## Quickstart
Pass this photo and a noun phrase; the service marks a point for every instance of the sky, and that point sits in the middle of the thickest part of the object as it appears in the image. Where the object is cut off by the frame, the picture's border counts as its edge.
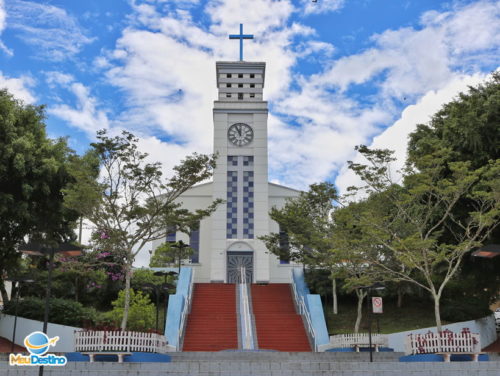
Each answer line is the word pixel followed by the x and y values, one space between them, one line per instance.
pixel 339 73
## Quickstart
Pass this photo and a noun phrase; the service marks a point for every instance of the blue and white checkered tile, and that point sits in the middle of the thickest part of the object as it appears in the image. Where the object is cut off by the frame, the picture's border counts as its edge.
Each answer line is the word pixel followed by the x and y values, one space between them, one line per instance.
pixel 232 160
pixel 248 161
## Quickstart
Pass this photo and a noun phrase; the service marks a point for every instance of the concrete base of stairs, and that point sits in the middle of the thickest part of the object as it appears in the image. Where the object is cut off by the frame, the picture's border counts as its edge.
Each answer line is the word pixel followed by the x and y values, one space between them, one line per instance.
pixel 266 364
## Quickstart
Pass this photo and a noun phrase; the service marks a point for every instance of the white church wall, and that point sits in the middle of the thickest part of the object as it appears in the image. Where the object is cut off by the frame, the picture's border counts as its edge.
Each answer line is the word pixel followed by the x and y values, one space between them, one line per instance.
pixel 215 251
pixel 281 273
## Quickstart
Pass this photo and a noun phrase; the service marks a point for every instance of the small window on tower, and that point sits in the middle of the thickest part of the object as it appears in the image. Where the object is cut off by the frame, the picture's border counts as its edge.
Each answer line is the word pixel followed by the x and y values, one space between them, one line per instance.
pixel 240 85
pixel 240 75
pixel 228 95
pixel 252 95
pixel 252 75
pixel 228 85
pixel 229 75
pixel 240 96
pixel 252 85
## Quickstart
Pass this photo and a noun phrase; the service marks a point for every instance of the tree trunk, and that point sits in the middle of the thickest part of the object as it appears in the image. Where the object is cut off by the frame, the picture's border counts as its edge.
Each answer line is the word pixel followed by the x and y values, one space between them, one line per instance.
pixel 400 297
pixel 361 297
pixel 334 296
pixel 80 231
pixel 128 274
pixel 76 288
pixel 3 291
pixel 437 312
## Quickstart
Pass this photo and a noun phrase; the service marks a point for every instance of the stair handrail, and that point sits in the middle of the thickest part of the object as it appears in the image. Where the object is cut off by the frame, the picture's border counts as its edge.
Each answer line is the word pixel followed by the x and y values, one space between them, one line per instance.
pixel 185 310
pixel 247 332
pixel 300 302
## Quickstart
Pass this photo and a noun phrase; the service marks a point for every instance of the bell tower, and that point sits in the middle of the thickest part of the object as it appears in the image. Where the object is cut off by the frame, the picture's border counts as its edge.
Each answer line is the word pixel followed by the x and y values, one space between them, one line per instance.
pixel 241 177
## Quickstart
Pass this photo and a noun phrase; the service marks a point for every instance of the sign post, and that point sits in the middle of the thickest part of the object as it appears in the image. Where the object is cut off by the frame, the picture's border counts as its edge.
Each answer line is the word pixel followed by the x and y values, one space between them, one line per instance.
pixel 377 306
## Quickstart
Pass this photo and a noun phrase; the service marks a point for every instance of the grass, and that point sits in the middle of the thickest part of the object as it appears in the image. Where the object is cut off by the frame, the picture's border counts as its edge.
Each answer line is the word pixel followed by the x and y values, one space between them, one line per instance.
pixel 413 315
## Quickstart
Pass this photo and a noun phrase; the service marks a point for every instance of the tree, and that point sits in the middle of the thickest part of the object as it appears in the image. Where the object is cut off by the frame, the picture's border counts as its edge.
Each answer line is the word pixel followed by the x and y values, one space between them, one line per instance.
pixel 423 209
pixel 171 253
pixel 466 130
pixel 305 221
pixel 141 312
pixel 33 170
pixel 350 255
pixel 131 204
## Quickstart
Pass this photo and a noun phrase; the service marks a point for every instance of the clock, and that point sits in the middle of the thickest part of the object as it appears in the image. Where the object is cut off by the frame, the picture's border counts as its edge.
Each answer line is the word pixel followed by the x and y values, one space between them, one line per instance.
pixel 240 134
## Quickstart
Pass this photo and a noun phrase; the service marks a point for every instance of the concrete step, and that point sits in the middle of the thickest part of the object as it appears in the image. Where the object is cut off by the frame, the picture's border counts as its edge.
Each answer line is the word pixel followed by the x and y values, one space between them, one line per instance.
pixel 242 368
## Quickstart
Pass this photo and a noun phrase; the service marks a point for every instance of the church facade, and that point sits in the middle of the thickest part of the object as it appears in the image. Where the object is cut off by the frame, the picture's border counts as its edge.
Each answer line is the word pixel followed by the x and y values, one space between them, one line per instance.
pixel 226 245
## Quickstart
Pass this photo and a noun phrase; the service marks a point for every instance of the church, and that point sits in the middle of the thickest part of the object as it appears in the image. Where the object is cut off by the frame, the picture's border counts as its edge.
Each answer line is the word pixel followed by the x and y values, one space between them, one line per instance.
pixel 228 240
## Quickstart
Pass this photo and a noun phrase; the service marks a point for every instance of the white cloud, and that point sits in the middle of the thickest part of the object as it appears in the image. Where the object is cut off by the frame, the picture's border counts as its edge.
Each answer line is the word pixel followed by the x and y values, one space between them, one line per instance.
pixel 395 137
pixel 19 87
pixel 417 60
pixel 85 115
pixel 321 6
pixel 3 16
pixel 51 31
pixel 404 65
pixel 59 78
pixel 167 71
pixel 163 63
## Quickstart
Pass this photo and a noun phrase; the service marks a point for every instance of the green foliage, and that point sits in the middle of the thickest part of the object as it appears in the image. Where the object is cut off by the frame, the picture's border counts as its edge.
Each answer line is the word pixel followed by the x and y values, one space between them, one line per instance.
pixel 130 203
pixel 141 315
pixel 422 209
pixel 465 128
pixel 62 311
pixel 460 308
pixel 143 276
pixel 33 170
pixel 168 254
pixel 306 220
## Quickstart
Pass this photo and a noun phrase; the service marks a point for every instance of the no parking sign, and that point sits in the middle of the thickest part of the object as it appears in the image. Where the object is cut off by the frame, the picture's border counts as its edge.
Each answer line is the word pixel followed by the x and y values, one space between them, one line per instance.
pixel 377 304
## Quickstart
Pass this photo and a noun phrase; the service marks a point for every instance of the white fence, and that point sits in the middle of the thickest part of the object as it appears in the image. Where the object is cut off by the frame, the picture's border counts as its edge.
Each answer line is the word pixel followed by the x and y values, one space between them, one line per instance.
pixel 102 340
pixel 445 341
pixel 355 339
pixel 485 327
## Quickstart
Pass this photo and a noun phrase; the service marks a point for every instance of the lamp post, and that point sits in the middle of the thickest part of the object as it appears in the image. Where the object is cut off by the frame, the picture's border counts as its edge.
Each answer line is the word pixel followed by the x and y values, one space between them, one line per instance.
pixel 19 281
pixel 376 286
pixel 157 289
pixel 165 275
pixel 34 249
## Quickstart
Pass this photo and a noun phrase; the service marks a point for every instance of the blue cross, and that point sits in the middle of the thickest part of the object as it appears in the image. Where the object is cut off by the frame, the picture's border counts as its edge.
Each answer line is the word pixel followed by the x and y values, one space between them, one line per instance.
pixel 241 36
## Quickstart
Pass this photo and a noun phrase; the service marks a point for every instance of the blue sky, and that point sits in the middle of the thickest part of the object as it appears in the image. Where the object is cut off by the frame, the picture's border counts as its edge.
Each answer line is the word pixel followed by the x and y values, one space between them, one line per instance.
pixel 339 72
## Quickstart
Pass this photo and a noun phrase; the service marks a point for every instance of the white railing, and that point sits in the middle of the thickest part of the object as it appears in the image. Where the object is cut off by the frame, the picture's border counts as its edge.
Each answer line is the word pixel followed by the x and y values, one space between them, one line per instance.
pixel 445 341
pixel 299 300
pixel 185 311
pixel 117 340
pixel 246 321
pixel 358 339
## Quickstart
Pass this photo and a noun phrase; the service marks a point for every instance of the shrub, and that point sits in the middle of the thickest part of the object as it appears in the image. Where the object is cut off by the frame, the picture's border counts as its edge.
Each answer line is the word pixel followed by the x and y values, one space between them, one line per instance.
pixel 464 309
pixel 62 311
pixel 141 315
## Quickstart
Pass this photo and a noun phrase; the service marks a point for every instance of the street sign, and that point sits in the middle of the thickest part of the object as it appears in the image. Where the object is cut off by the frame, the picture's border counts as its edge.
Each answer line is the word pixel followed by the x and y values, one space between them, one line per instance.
pixel 377 306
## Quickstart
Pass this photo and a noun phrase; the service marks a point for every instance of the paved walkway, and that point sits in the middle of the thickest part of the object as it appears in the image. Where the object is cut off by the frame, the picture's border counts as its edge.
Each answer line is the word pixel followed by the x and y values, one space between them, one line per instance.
pixel 5 346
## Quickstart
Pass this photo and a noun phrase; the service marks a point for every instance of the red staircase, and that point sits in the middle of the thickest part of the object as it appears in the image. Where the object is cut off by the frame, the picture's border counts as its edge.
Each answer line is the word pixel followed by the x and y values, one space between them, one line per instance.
pixel 278 325
pixel 211 325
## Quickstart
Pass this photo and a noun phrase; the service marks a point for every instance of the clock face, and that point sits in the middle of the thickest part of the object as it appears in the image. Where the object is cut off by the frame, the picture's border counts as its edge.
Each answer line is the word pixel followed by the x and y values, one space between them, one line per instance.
pixel 240 134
